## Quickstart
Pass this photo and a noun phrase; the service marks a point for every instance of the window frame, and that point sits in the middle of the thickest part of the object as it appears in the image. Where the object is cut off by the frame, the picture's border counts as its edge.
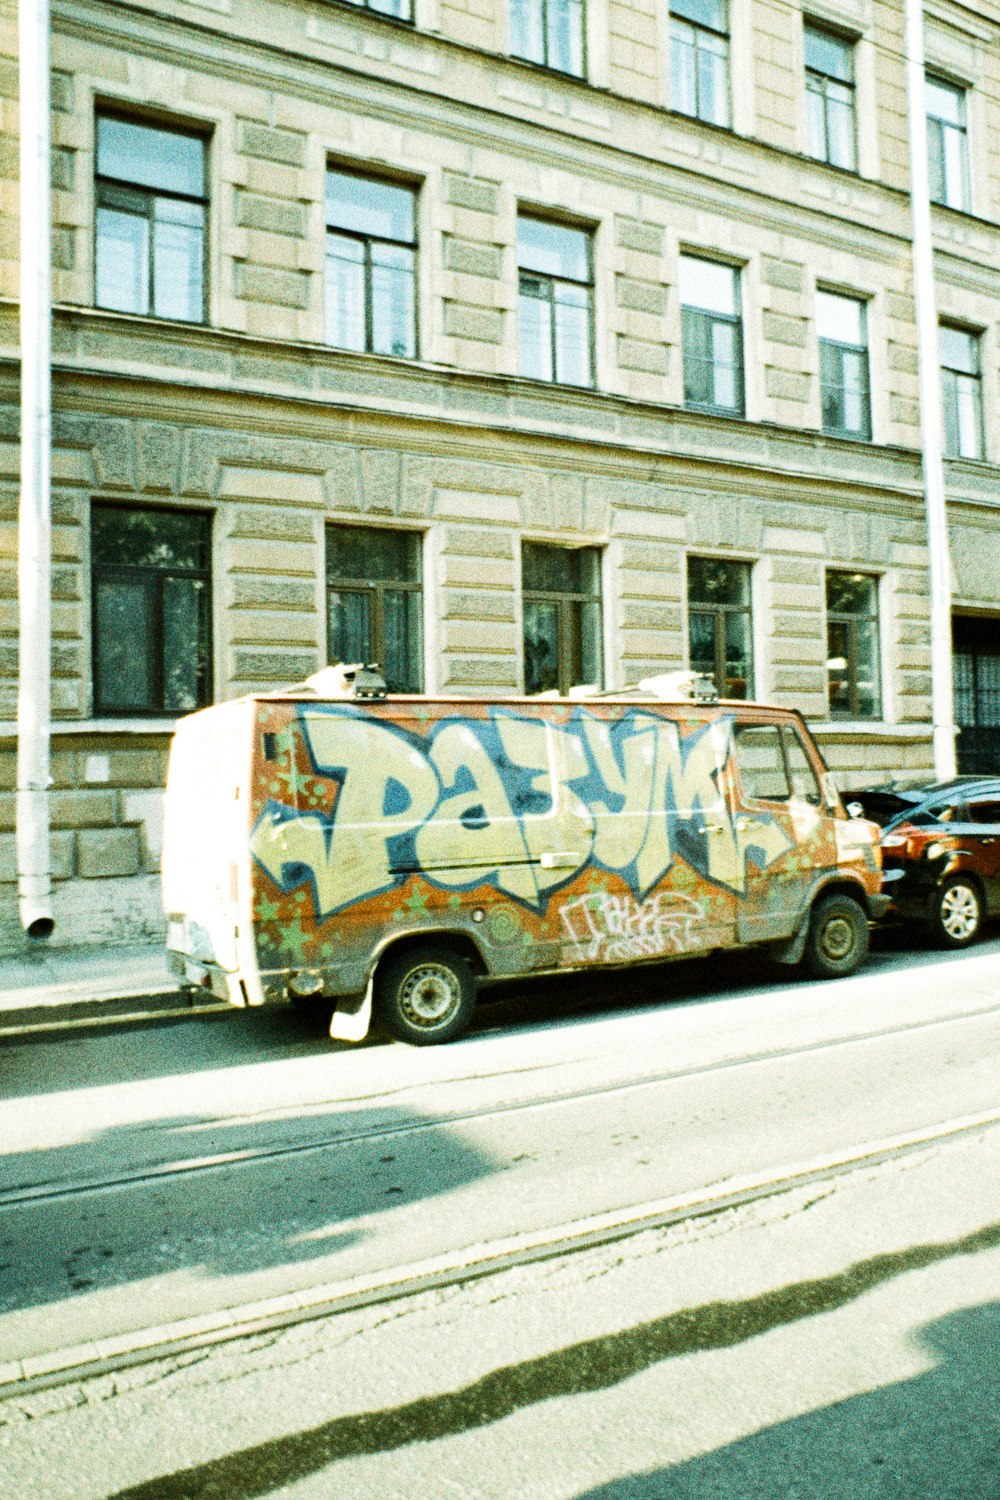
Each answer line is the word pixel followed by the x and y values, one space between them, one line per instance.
pixel 589 286
pixel 371 9
pixel 366 241
pixel 375 589
pixel 698 30
pixel 569 606
pixel 730 320
pixel 936 128
pixel 105 185
pixel 842 347
pixel 103 572
pixel 853 713
pixel 543 61
pixel 953 388
pixel 718 610
pixel 824 94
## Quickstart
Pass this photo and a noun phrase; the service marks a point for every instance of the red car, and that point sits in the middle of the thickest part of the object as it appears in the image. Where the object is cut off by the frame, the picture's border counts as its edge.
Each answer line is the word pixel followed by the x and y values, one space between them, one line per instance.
pixel 940 852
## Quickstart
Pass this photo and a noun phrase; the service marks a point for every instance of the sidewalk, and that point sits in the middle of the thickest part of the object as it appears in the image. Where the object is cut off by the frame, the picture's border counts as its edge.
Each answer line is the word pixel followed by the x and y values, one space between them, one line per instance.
pixel 47 987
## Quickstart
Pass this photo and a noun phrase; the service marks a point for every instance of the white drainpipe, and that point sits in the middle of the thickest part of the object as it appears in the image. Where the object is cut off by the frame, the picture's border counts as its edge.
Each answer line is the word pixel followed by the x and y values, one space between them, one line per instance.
pixel 942 686
pixel 34 868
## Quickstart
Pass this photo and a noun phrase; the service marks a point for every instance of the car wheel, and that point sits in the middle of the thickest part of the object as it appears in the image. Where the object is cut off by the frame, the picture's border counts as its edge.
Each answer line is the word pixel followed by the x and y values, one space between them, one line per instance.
pixel 838 938
pixel 958 912
pixel 426 995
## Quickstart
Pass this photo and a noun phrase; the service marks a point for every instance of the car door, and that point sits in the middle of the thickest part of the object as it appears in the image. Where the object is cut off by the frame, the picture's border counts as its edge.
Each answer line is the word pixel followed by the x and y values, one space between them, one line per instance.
pixel 982 835
pixel 781 826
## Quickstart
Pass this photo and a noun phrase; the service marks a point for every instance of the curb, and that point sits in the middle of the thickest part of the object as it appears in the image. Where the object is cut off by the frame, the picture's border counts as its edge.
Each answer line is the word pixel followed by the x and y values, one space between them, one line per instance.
pixel 113 1010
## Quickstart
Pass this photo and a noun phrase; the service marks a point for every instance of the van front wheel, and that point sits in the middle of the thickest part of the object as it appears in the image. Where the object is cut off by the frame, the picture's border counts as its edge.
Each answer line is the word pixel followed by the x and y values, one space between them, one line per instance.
pixel 426 995
pixel 838 938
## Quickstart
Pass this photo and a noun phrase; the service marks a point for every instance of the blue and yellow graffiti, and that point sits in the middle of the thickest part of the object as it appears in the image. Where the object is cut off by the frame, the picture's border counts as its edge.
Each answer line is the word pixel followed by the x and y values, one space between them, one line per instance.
pixel 511 801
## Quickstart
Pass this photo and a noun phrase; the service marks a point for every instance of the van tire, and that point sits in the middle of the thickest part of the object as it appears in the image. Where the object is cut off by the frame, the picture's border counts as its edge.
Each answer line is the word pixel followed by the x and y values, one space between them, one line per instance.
pixel 837 942
pixel 425 995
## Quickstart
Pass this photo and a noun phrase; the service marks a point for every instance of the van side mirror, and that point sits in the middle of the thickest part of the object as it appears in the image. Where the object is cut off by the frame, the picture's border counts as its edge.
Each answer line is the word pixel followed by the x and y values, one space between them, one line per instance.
pixel 855 810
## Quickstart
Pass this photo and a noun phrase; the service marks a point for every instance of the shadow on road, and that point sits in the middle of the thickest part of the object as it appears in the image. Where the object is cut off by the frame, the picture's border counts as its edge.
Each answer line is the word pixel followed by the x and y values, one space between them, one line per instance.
pixel 936 1437
pixel 940 1428
pixel 288 1190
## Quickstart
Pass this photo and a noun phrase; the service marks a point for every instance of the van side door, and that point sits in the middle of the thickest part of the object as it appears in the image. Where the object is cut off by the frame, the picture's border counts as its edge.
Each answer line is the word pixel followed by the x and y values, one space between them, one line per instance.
pixel 782 826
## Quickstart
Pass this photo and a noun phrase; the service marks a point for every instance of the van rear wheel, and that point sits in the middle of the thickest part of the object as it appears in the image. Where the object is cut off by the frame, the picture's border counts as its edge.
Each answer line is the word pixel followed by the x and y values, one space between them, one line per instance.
pixel 838 938
pixel 426 995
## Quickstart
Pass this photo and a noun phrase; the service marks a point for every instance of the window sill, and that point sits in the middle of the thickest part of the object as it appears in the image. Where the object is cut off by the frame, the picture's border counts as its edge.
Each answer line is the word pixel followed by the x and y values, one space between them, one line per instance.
pixel 69 728
pixel 407 23
pixel 877 729
pixel 547 68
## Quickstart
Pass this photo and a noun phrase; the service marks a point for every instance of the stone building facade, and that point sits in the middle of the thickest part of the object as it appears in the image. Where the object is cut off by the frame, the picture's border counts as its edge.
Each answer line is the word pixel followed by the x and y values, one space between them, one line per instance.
pixel 687 438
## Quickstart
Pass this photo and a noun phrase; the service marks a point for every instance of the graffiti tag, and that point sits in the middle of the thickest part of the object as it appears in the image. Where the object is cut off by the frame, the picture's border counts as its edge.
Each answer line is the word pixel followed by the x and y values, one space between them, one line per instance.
pixel 612 929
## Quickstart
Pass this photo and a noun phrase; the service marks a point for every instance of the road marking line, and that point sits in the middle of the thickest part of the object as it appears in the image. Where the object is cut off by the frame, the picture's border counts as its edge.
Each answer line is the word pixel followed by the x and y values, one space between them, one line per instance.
pixel 98 1357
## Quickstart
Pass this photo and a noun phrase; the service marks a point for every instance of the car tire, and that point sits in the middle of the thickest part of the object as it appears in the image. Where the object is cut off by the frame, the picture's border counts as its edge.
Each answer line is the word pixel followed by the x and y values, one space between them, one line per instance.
pixel 425 995
pixel 837 942
pixel 958 913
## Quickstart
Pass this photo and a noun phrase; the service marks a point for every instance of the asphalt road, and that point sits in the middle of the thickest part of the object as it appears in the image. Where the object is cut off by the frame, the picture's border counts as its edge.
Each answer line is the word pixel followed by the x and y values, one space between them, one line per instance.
pixel 155 1173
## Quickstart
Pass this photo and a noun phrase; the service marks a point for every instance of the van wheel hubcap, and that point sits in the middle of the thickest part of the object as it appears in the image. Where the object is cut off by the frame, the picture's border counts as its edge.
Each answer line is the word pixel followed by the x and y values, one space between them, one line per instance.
pixel 837 938
pixel 429 995
pixel 959 912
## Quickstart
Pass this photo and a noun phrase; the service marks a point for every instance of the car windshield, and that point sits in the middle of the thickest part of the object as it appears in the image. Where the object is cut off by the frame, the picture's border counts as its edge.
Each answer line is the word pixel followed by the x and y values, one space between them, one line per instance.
pixel 939 812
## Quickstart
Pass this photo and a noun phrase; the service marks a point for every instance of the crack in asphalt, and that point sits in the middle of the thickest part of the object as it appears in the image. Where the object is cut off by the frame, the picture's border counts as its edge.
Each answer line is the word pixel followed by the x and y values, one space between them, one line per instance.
pixel 594 1364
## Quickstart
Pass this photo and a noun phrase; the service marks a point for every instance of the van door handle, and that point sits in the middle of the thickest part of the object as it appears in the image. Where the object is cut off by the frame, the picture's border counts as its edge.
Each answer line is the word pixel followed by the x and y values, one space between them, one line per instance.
pixel 555 861
pixel 711 828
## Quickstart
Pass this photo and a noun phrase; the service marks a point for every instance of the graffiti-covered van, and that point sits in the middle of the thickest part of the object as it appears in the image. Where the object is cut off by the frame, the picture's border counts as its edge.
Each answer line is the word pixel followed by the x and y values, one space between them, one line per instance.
pixel 397 851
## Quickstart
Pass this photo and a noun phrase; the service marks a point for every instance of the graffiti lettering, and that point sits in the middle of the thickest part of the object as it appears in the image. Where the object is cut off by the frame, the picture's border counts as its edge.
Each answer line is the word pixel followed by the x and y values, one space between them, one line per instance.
pixel 612 929
pixel 513 801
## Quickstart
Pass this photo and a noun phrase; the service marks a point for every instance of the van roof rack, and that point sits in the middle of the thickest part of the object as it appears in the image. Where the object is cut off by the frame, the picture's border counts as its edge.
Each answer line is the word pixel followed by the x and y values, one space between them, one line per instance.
pixel 347 680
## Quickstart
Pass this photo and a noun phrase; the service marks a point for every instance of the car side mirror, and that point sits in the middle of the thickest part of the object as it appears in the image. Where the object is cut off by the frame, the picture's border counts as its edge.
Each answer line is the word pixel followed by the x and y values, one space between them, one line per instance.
pixel 855 810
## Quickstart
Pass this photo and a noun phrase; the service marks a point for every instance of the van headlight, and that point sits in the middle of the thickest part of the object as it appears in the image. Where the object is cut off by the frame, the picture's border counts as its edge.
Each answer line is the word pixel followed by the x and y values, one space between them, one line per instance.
pixel 935 851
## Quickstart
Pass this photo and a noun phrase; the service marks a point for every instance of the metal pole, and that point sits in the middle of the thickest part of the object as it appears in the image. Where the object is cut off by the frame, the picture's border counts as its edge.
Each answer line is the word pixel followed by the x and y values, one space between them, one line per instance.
pixel 942 687
pixel 35 534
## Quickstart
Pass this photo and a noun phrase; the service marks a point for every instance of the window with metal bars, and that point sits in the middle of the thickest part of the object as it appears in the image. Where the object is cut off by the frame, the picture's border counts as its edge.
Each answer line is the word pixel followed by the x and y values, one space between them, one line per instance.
pixel 374 595
pixel 150 221
pixel 852 646
pixel 371 259
pixel 562 617
pixel 830 125
pixel 555 305
pixel 720 635
pixel 699 59
pixel 151 609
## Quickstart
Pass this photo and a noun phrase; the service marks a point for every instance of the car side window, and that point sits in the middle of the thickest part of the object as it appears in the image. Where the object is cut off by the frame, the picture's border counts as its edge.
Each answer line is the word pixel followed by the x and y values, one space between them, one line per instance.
pixel 805 783
pixel 985 812
pixel 760 763
pixel 940 812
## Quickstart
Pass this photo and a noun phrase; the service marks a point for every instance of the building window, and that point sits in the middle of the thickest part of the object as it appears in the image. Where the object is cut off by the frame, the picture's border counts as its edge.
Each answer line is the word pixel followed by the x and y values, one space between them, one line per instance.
pixel 150 223
pixel 830 98
pixel 549 32
pixel 947 144
pixel 852 646
pixel 712 335
pixel 399 10
pixel 562 617
pixel 719 624
pixel 556 297
pixel 151 575
pixel 962 393
pixel 842 325
pixel 374 601
pixel 371 259
pixel 699 59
